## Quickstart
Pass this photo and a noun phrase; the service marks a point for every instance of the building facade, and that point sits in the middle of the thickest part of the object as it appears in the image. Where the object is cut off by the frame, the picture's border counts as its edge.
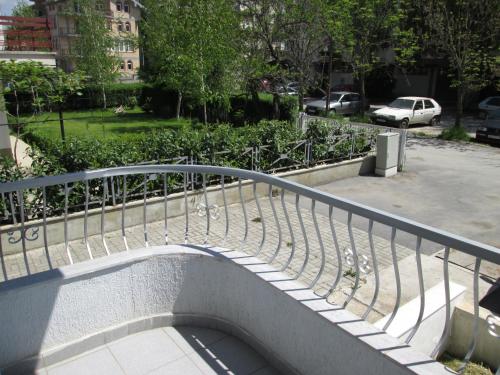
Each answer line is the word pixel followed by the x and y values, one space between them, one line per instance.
pixel 123 20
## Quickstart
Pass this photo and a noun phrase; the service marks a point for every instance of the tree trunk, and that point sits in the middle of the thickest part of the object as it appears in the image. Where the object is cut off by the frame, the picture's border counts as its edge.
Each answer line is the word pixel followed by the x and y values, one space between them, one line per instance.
pixel 104 99
pixel 205 118
pixel 276 106
pixel 329 83
pixel 362 92
pixel 301 99
pixel 61 123
pixel 179 103
pixel 18 127
pixel 460 107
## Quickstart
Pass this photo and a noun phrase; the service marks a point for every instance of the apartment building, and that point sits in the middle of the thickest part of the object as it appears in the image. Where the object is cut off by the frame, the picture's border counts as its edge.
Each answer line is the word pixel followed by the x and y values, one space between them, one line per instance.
pixel 123 19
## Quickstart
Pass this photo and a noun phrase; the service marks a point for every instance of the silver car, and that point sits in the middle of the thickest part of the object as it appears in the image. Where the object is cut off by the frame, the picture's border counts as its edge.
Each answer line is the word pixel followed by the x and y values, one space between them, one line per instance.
pixel 341 102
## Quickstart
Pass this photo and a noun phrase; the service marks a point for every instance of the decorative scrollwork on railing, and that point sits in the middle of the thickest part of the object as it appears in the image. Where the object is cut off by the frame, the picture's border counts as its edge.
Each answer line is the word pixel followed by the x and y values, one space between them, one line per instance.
pixel 30 234
pixel 493 320
pixel 363 261
pixel 212 210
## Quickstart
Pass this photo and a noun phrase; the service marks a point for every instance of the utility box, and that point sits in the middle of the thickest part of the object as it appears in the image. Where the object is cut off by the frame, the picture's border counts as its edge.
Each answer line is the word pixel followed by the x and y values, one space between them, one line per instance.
pixel 387 154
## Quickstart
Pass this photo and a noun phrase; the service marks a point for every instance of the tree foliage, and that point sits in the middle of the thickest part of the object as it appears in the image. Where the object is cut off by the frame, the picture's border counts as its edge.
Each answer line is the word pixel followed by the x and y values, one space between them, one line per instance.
pixel 23 9
pixel 192 46
pixel 94 47
pixel 467 33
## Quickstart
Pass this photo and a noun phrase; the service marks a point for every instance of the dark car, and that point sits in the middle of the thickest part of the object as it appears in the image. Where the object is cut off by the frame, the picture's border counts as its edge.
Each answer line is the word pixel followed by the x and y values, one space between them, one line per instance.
pixel 489 131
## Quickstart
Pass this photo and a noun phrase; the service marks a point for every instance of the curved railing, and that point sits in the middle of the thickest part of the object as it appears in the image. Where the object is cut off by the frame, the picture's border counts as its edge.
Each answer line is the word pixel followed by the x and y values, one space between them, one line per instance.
pixel 333 244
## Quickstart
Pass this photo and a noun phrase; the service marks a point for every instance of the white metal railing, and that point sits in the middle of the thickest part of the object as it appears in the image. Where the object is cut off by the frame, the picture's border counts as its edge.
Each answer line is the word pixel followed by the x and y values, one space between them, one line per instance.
pixel 304 120
pixel 39 198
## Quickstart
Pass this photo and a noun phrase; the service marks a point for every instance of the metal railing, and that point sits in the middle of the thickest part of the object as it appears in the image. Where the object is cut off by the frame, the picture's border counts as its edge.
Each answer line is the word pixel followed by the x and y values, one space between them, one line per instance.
pixel 304 120
pixel 291 229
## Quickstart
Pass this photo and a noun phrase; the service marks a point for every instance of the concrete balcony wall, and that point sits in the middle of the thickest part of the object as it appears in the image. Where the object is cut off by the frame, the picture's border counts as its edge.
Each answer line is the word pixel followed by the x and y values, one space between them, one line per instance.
pixel 54 315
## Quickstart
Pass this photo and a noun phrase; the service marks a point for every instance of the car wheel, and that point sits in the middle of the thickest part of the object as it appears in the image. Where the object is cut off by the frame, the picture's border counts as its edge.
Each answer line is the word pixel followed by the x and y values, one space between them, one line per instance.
pixel 434 121
pixel 403 124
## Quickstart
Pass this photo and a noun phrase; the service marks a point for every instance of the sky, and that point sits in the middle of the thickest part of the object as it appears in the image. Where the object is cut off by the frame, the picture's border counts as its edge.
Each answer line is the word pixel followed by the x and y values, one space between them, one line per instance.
pixel 6 6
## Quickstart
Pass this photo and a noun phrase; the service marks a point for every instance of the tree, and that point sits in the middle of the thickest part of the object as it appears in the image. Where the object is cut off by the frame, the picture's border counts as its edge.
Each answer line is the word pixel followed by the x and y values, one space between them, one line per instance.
pixel 23 9
pixel 305 39
pixel 467 33
pixel 360 29
pixel 192 47
pixel 95 45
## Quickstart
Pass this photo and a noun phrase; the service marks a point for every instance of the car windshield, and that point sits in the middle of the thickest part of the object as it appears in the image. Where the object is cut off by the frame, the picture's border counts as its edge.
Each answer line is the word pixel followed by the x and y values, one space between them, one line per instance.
pixel 402 103
pixel 333 97
pixel 494 115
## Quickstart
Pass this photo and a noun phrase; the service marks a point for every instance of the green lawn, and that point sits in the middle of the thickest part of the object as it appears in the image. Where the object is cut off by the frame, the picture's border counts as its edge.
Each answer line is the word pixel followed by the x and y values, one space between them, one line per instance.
pixel 99 124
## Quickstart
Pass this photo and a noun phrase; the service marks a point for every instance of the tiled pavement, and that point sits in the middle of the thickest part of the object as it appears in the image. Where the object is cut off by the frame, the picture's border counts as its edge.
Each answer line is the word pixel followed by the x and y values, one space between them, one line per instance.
pixel 14 265
pixel 168 351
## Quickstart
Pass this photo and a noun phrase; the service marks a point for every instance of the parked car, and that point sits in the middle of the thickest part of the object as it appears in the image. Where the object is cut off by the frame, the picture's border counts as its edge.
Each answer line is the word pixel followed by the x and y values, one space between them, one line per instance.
pixel 408 110
pixel 488 105
pixel 342 102
pixel 489 131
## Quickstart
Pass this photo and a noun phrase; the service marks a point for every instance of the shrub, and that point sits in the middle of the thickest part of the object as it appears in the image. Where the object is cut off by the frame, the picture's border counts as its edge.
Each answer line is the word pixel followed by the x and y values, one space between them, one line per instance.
pixel 455 134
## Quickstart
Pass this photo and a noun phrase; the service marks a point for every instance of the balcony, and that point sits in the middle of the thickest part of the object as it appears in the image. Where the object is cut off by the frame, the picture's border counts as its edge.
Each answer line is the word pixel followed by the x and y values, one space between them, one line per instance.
pixel 147 268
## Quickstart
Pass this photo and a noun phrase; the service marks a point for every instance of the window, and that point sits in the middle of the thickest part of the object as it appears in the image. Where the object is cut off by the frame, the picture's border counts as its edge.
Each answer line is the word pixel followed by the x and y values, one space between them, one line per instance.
pixel 127 26
pixel 494 101
pixel 122 65
pixel 418 105
pixel 119 6
pixel 428 104
pixel 126 8
pixel 130 65
pixel 120 26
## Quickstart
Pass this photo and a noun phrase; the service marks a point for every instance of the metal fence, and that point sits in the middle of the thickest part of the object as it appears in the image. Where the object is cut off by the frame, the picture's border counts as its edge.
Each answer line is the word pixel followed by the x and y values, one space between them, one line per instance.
pixel 304 120
pixel 286 210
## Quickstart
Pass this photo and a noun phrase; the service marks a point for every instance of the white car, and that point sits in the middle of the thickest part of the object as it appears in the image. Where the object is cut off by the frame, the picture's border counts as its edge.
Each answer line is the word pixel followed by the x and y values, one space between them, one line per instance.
pixel 408 110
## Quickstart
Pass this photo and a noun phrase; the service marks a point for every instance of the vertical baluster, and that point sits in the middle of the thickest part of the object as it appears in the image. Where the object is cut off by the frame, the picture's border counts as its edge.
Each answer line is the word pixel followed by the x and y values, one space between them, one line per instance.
pixel 66 235
pixel 243 207
pixel 103 213
pixel 226 211
pixel 44 224
pixel 355 259
pixel 86 219
pixel 421 290
pixel 5 211
pixel 337 251
pixel 144 211
pixel 446 328
pixel 262 220
pixel 124 208
pixel 207 208
pixel 398 280
pixel 475 326
pixel 375 270
pixel 165 206
pixel 113 196
pixel 321 246
pixel 304 234
pixel 277 222
pixel 186 212
pixel 2 260
pixel 12 209
pixel 290 230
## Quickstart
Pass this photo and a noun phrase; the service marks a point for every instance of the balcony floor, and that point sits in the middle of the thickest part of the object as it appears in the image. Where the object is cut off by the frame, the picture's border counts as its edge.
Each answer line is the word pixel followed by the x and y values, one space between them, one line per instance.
pixel 182 350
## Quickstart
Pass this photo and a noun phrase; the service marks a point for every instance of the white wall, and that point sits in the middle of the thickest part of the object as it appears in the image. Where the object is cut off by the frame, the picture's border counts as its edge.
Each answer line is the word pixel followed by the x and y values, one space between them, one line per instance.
pixel 63 312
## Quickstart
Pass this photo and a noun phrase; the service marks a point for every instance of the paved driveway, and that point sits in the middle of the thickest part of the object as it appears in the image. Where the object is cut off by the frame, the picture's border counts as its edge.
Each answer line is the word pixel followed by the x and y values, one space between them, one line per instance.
pixel 448 185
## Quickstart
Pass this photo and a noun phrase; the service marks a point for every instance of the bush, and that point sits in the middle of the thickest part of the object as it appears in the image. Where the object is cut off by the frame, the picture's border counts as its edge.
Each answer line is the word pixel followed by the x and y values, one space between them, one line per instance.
pixel 455 134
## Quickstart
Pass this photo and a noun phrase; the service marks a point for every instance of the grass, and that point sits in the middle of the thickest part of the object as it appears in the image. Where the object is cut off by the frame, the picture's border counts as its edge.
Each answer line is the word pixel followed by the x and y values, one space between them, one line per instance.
pixel 99 124
pixel 455 134
pixel 471 369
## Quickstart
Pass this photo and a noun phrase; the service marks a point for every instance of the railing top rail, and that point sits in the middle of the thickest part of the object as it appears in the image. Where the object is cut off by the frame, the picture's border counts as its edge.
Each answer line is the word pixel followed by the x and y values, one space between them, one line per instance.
pixel 444 238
